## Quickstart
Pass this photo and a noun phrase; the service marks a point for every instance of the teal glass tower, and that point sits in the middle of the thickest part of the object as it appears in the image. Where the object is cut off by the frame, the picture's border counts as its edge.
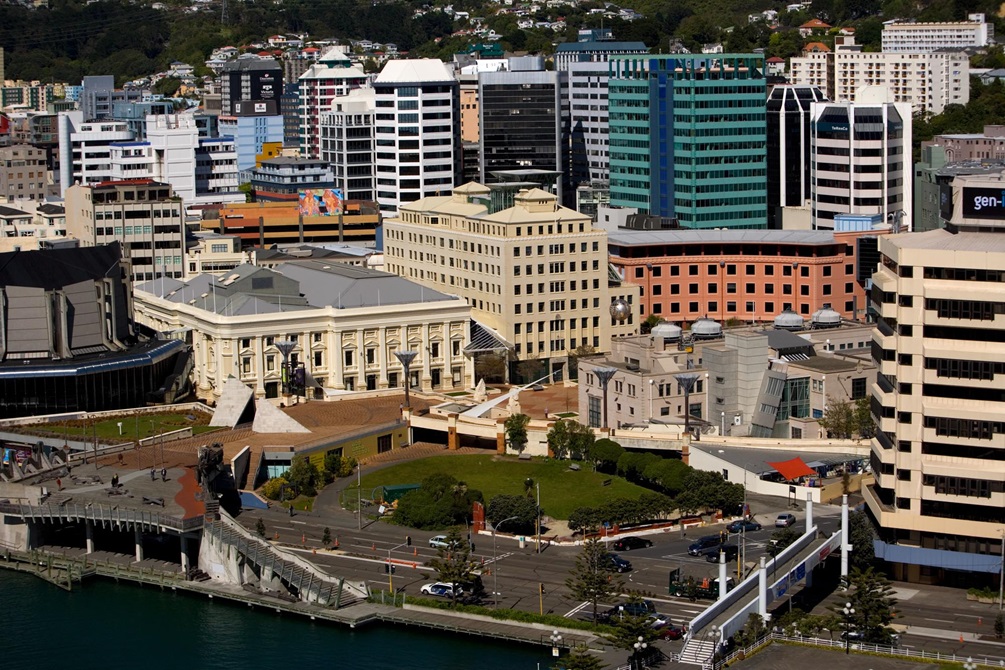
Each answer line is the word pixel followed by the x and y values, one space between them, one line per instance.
pixel 688 138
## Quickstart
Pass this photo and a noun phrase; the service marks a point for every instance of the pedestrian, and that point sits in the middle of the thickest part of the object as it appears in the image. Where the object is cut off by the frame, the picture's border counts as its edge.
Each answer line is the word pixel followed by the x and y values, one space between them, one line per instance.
pixel 291 510
pixel 153 474
pixel 164 474
pixel 59 483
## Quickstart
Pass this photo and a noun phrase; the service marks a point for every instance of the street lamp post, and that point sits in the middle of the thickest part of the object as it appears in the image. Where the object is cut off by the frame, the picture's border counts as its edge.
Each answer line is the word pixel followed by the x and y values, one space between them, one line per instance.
pixel 687 382
pixel 604 375
pixel 406 358
pixel 640 648
pixel 390 568
pixel 495 566
pixel 651 382
pixel 848 611
pixel 556 639
pixel 970 665
pixel 286 348
pixel 722 428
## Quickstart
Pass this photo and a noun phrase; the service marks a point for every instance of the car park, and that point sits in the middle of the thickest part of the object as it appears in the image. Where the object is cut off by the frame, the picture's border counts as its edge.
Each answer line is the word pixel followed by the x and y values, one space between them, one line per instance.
pixel 442 589
pixel 631 542
pixel 743 525
pixel 784 520
pixel 703 544
pixel 620 564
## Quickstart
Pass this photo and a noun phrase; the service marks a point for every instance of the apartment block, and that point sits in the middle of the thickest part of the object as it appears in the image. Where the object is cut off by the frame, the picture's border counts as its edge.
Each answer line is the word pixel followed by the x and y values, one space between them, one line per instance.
pixel 904 36
pixel 939 450
pixel 972 146
pixel 927 81
pixel 281 179
pixel 142 215
pixel 861 159
pixel 85 149
pixel 332 76
pixel 687 138
pixel 535 274
pixel 22 172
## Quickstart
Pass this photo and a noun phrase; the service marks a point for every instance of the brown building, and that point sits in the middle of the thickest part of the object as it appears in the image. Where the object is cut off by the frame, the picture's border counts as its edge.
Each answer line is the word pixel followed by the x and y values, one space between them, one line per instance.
pixel 22 172
pixel 267 223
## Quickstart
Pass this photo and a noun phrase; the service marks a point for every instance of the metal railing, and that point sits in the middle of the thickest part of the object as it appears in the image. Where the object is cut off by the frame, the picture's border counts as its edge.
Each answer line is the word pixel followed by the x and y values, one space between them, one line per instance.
pixel 991 661
pixel 100 514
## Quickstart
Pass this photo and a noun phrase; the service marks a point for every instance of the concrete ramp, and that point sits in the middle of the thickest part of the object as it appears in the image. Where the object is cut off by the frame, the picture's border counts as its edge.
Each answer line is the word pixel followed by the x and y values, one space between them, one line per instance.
pixel 270 419
pixel 233 403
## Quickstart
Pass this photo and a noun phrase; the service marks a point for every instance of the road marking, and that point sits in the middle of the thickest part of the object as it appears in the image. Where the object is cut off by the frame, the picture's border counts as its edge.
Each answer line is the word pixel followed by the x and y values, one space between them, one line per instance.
pixel 576 610
pixel 302 523
pixel 498 558
pixel 940 620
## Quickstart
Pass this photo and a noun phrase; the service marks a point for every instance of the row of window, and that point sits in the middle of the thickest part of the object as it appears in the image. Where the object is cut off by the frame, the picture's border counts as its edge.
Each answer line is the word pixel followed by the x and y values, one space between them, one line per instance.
pixel 557 345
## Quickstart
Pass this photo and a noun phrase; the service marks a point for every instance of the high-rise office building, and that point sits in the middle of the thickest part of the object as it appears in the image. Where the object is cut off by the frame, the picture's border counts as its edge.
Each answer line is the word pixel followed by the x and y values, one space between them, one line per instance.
pixel 861 158
pixel 417 131
pixel 522 125
pixel 586 65
pixel 251 80
pixel 688 137
pixel 938 450
pixel 347 143
pixel 789 147
pixel 98 93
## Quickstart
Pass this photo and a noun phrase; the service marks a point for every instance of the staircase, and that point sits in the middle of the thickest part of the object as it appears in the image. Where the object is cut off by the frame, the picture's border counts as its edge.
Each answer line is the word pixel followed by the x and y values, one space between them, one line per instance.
pixel 698 652
pixel 303 579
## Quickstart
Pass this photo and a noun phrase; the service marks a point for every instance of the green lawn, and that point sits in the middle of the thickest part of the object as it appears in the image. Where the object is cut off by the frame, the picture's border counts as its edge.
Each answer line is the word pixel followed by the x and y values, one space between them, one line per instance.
pixel 562 489
pixel 145 425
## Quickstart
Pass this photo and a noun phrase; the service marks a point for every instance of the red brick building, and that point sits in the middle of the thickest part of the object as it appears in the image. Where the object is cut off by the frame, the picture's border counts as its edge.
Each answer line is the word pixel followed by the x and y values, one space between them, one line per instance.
pixel 748 275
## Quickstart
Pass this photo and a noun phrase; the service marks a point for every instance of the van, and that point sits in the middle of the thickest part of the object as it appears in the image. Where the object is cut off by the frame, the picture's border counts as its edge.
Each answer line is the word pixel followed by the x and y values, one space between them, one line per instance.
pixel 702 545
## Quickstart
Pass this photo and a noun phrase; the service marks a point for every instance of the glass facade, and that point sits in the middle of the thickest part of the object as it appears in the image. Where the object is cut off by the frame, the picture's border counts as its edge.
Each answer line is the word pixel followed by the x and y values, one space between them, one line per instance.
pixel 795 401
pixel 687 138
pixel 788 132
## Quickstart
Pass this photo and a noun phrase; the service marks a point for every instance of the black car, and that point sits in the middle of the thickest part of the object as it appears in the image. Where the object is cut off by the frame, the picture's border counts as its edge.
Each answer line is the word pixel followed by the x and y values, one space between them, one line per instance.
pixel 631 542
pixel 619 564
pixel 641 608
pixel 731 551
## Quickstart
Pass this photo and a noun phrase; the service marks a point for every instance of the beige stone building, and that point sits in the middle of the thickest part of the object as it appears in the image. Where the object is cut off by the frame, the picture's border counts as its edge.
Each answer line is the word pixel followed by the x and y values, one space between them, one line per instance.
pixel 22 173
pixel 346 323
pixel 535 273
pixel 939 452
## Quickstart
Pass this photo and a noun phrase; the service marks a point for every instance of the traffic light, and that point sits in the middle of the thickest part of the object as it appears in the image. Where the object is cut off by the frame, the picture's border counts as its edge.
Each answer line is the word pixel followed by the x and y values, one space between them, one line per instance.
pixel 540 587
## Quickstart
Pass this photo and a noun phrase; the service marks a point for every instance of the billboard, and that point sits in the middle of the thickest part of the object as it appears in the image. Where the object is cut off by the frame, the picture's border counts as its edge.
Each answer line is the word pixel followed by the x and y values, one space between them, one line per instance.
pixel 983 203
pixel 321 202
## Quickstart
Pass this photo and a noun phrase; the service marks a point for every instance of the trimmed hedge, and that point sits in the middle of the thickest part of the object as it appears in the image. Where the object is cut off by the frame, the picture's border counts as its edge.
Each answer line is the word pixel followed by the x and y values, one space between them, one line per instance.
pixel 513 615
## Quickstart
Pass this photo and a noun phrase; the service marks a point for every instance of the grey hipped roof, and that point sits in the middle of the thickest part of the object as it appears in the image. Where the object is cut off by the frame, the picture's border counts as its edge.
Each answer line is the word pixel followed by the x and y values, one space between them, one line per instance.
pixel 347 287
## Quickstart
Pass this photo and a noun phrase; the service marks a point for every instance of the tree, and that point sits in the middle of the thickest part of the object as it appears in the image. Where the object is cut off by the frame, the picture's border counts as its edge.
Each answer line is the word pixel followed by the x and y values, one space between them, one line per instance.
pixel 861 537
pixel 490 367
pixel 838 419
pixel 273 489
pixel 516 431
pixel 167 86
pixel 752 631
pixel 570 439
pixel 453 562
pixel 864 424
pixel 593 578
pixel 260 527
pixel 507 506
pixel 871 596
pixel 999 626
pixel 582 351
pixel 647 326
pixel 605 454
pixel 630 629
pixel 440 502
pixel 531 371
pixel 781 539
pixel 326 537
pixel 579 658
pixel 302 475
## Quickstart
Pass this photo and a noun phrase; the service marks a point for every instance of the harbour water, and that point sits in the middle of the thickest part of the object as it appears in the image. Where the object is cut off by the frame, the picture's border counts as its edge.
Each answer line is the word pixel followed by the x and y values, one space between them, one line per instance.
pixel 105 625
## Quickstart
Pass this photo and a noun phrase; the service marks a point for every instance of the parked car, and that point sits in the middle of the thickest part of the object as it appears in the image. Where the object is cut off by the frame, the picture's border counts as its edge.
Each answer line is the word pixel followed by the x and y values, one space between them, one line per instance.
pixel 442 589
pixel 703 544
pixel 664 629
pixel 620 564
pixel 631 542
pixel 731 551
pixel 743 525
pixel 784 520
pixel 641 608
pixel 439 542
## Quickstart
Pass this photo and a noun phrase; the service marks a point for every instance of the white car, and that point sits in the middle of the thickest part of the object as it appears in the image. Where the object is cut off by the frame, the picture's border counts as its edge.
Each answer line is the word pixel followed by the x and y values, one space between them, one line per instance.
pixel 438 542
pixel 442 589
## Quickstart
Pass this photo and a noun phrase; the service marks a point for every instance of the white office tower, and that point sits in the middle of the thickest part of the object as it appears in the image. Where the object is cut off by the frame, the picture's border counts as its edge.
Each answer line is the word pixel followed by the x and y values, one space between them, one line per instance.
pixel 417 131
pixel 860 159
pixel 85 149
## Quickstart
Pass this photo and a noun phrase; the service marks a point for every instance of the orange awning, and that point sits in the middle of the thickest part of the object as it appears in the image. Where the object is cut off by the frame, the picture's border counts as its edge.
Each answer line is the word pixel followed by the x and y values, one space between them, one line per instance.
pixel 793 469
